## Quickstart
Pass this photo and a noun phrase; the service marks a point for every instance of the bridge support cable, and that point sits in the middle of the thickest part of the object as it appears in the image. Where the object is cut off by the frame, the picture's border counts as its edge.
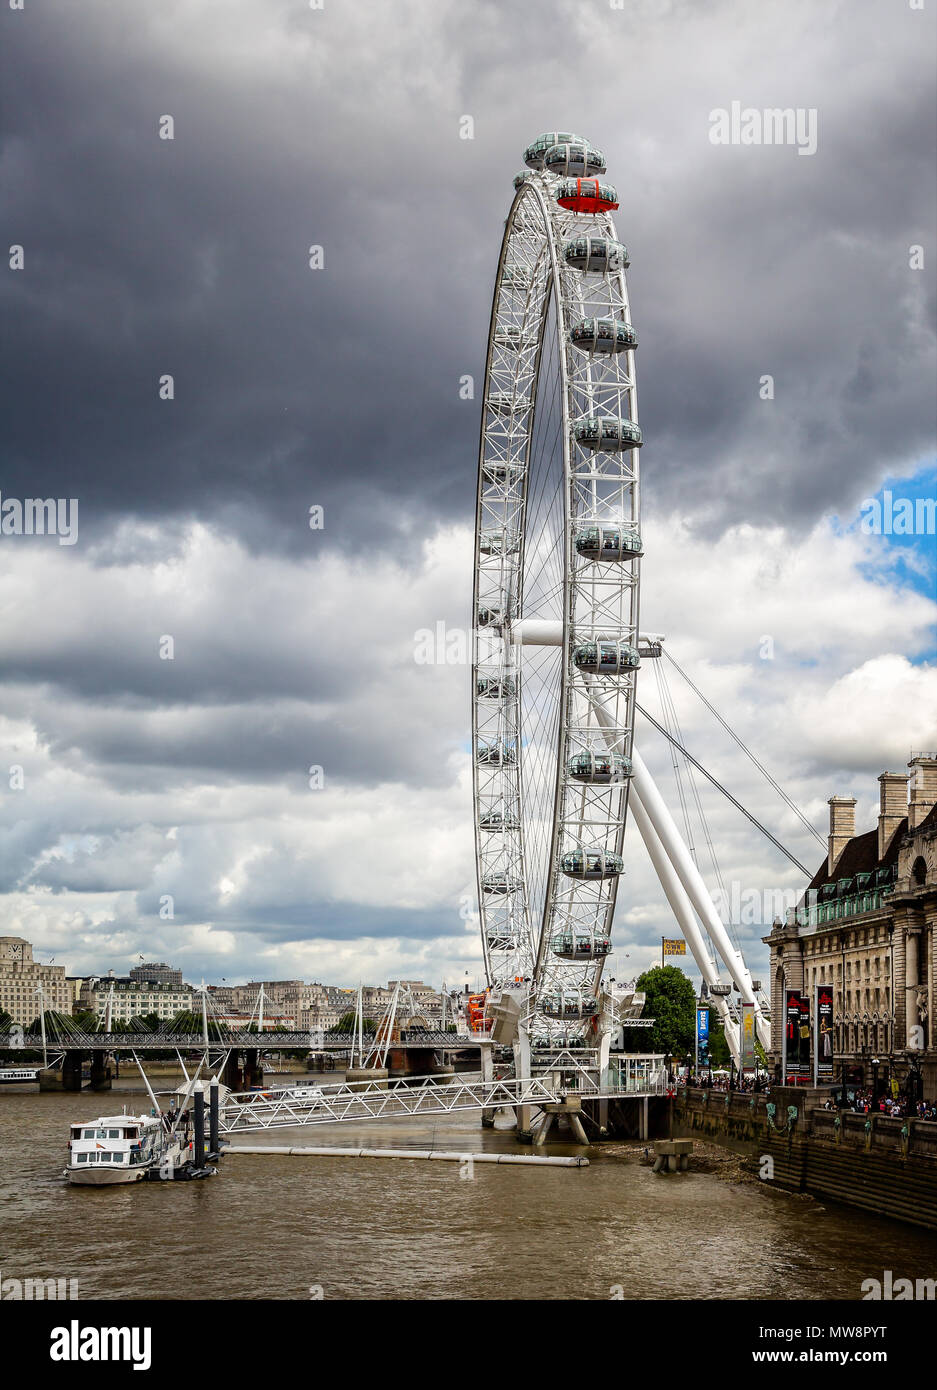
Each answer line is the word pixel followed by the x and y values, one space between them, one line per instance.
pixel 643 783
pixel 726 793
pixel 792 805
pixel 671 719
pixel 696 889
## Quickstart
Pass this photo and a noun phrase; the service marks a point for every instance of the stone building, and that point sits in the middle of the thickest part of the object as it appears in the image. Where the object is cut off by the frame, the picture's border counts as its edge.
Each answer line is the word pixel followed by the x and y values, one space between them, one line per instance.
pixel 157 970
pixel 867 926
pixel 21 976
pixel 121 998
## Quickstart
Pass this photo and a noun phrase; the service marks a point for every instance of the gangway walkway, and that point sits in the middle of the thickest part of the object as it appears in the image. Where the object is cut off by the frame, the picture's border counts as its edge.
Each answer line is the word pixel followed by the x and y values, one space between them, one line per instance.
pixel 379 1100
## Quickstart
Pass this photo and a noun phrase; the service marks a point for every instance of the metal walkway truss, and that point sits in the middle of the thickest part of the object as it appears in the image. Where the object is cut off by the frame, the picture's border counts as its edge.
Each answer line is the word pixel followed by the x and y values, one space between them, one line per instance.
pixel 280 1109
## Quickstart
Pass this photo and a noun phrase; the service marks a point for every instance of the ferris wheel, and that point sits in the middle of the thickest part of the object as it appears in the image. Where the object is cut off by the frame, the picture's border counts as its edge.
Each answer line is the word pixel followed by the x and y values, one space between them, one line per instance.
pixel 556 590
pixel 556 646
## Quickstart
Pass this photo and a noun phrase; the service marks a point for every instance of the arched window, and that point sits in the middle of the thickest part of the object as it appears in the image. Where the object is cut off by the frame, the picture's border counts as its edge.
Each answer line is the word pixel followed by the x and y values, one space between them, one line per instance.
pixel 919 871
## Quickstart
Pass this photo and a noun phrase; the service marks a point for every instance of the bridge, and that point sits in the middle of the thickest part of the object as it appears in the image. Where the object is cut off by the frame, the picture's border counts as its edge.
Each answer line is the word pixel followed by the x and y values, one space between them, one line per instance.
pixel 410 1051
pixel 228 1039
pixel 288 1107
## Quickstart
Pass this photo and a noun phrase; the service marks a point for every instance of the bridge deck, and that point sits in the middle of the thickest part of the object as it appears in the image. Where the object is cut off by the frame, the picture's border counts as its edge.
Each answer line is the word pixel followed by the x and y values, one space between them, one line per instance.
pixel 266 1042
pixel 285 1107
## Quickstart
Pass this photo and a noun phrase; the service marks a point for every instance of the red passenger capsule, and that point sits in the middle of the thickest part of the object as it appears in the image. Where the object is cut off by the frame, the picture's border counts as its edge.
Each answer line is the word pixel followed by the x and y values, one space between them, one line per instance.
pixel 586 195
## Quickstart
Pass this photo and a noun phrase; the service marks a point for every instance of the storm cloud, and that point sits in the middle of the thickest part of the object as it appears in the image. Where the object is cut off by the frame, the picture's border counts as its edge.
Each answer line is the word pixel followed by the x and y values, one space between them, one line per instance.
pixel 338 387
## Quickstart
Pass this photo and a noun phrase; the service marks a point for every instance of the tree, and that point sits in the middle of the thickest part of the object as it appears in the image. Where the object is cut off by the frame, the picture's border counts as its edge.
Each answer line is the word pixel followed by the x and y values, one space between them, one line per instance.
pixel 671 1002
pixel 719 1053
pixel 348 1021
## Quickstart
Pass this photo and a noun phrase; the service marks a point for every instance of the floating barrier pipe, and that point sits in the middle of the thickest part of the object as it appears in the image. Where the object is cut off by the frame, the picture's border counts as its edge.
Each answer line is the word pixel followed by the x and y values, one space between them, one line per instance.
pixel 528 1161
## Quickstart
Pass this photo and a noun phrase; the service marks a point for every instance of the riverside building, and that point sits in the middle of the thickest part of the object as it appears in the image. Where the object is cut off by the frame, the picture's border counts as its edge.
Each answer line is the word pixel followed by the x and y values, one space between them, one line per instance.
pixel 867 926
pixel 20 979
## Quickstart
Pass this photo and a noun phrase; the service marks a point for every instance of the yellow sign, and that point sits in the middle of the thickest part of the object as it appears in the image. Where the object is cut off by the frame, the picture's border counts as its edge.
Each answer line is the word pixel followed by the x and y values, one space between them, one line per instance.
pixel 674 948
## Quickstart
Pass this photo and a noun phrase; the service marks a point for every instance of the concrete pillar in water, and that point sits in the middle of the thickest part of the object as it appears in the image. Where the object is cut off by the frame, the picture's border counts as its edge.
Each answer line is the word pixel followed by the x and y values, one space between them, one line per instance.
pixel 100 1076
pixel 198 1095
pixel 360 1078
pixel 71 1071
pixel 253 1070
pixel 231 1072
pixel 543 1129
pixel 214 1144
pixel 575 1125
pixel 488 1074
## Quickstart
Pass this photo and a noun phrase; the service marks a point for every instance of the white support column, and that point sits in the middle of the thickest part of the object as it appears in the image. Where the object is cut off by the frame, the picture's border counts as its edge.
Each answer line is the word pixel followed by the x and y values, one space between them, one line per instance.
pixel 671 883
pixel 696 889
pixel 683 913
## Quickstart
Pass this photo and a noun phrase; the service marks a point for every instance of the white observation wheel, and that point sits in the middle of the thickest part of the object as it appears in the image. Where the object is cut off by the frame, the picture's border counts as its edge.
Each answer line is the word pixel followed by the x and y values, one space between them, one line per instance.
pixel 557 563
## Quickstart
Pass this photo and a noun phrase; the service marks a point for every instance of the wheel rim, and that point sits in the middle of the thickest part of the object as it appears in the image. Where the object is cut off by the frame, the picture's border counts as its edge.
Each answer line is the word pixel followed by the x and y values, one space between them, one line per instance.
pixel 543 482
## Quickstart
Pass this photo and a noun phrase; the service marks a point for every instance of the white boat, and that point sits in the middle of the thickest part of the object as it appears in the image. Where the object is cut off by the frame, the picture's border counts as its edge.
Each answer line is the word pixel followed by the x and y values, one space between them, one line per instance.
pixel 312 1095
pixel 119 1148
pixel 18 1076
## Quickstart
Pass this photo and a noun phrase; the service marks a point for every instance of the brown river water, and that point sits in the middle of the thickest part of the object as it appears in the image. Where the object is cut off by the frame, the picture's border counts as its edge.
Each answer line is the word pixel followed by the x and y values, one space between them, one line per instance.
pixel 286 1227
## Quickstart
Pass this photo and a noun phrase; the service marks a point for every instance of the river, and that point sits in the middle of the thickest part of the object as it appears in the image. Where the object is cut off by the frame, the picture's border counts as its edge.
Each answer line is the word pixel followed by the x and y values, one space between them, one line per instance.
pixel 289 1227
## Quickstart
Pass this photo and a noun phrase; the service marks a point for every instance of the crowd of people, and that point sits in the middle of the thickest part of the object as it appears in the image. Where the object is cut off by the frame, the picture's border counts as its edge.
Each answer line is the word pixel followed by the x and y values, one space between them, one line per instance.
pixel 857 1100
pixel 708 1081
pixel 896 1107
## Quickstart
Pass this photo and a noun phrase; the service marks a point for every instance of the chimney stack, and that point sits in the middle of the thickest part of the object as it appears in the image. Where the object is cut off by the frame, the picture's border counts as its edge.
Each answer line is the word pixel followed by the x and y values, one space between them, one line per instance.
pixel 842 827
pixel 923 788
pixel 893 807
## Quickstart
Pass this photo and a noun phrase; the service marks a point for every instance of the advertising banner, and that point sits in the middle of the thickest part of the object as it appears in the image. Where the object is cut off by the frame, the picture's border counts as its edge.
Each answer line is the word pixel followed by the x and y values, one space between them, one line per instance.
pixel 823 1041
pixel 747 1047
pixel 805 1036
pixel 702 1036
pixel 791 1034
pixel 673 948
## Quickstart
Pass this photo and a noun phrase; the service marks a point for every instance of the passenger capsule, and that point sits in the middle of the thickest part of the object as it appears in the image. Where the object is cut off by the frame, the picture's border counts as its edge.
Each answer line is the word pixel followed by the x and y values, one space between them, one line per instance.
pixel 499 542
pixel 498 473
pixel 499 883
pixel 498 820
pixel 596 255
pixel 511 338
pixel 580 946
pixel 502 941
pixel 523 177
pixel 603 335
pixel 506 403
pixel 495 755
pixel 569 1003
pixel 490 615
pixel 599 767
pixel 495 687
pixel 576 158
pixel 587 195
pixel 608 433
pixel 518 277
pixel 609 543
pixel 534 153
pixel 606 658
pixel 591 864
